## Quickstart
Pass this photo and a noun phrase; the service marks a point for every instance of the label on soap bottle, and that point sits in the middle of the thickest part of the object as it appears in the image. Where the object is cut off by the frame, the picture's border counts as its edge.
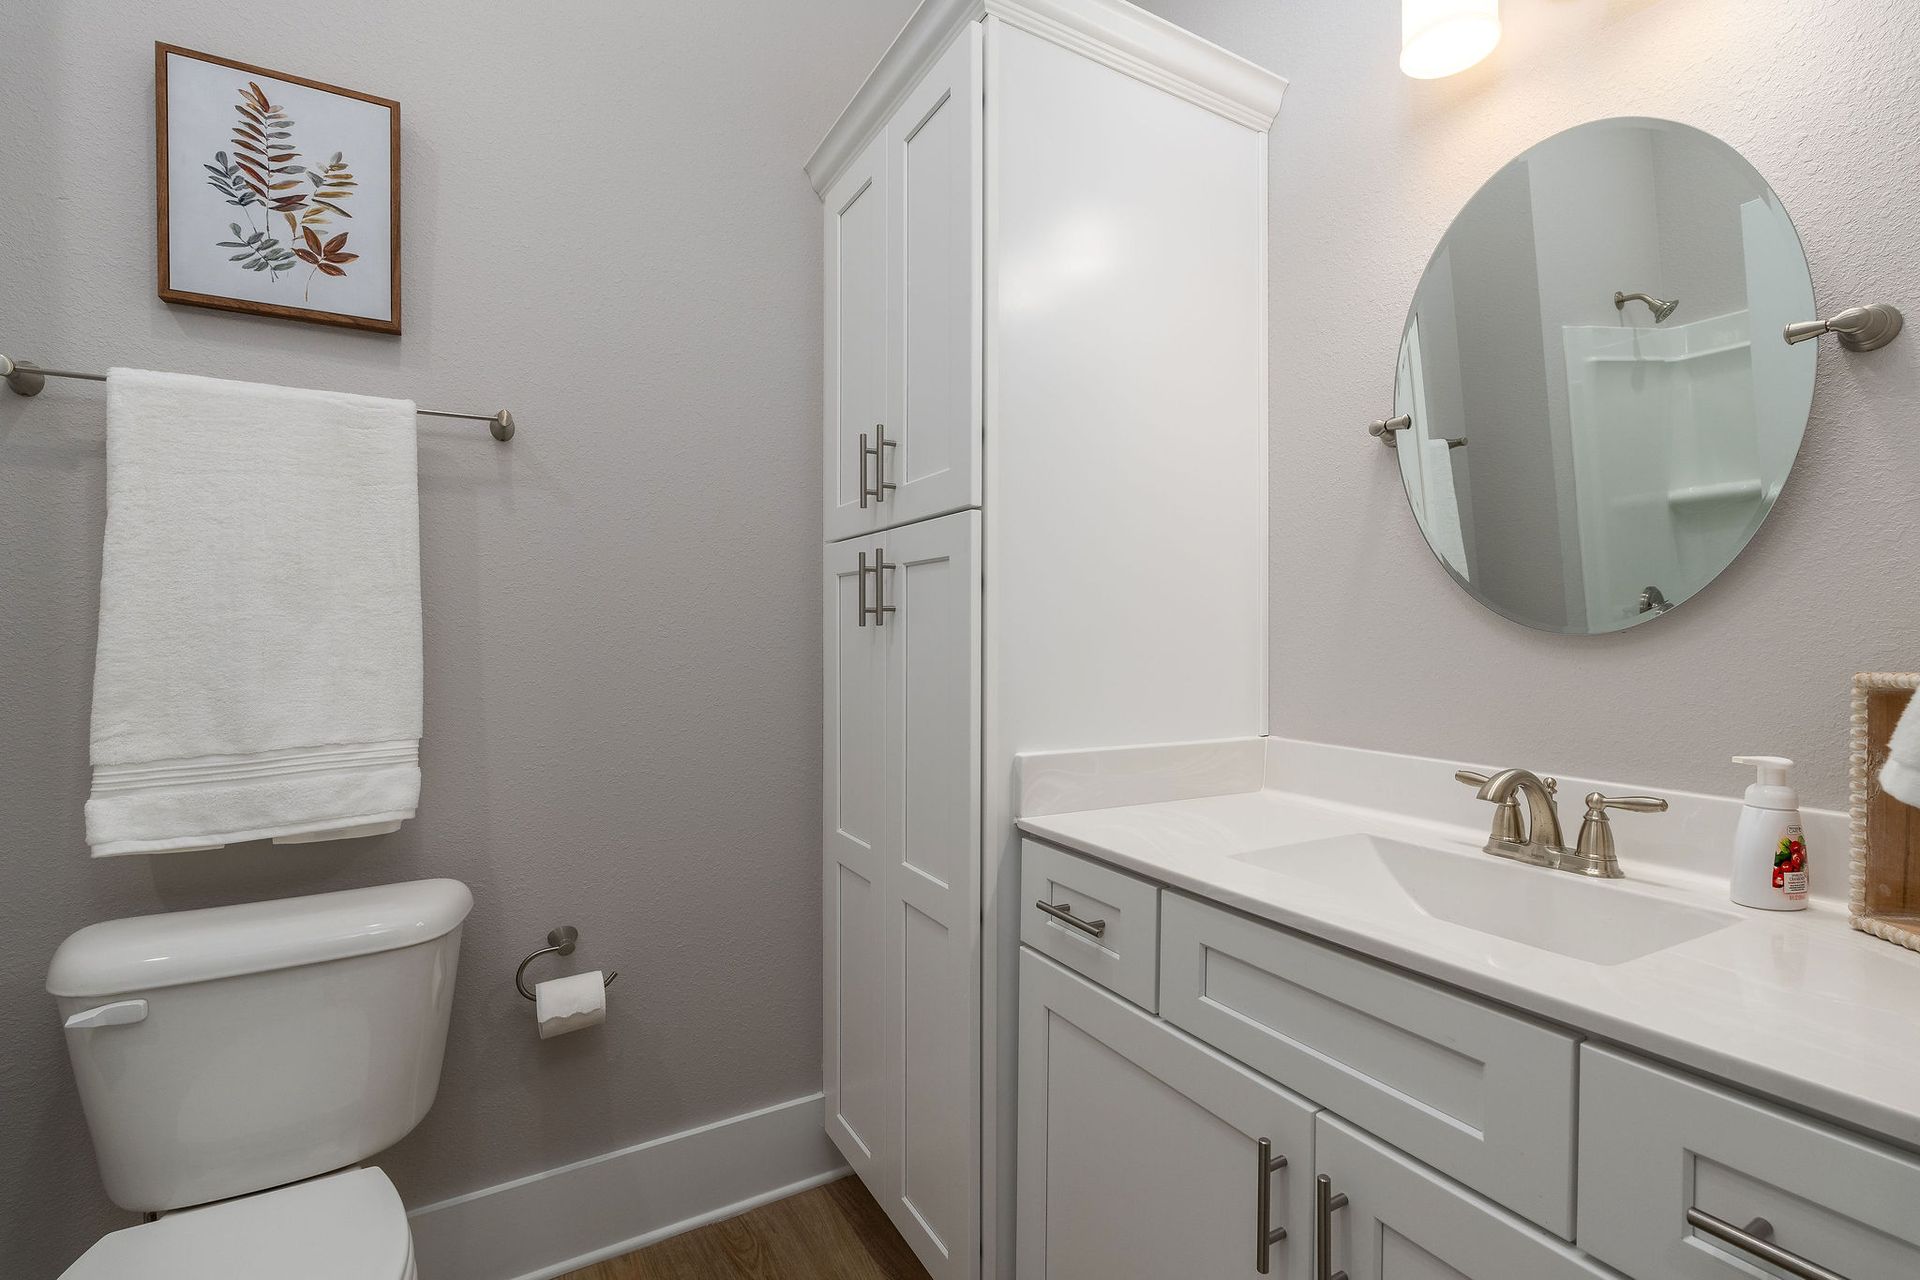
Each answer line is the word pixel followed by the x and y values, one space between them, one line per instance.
pixel 1790 864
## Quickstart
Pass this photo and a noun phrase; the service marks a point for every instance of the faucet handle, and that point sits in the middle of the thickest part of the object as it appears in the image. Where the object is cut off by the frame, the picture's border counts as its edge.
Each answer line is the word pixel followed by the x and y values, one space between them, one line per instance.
pixel 1593 853
pixel 1469 777
pixel 1597 804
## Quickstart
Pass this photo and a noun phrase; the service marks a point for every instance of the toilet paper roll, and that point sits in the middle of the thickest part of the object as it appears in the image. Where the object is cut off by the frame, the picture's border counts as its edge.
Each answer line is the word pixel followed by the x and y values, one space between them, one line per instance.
pixel 567 1004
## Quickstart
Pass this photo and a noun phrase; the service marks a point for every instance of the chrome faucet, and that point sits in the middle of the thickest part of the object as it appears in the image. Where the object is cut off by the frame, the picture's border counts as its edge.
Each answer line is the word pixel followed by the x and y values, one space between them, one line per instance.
pixel 1540 842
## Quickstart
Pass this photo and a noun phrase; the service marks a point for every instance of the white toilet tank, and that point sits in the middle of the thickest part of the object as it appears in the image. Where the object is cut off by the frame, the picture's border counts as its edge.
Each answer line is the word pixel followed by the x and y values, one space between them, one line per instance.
pixel 227 1051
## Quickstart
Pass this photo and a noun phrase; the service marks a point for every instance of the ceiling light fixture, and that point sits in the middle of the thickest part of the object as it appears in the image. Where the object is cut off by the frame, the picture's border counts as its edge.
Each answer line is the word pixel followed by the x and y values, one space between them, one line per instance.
pixel 1441 37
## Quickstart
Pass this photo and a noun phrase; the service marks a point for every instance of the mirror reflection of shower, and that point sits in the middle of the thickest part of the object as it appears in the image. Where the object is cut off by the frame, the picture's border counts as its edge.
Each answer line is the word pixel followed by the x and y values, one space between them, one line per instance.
pixel 1661 310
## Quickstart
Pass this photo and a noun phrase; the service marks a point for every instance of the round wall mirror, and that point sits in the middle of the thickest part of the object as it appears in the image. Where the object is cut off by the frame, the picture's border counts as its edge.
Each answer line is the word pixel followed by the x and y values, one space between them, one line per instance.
pixel 1603 408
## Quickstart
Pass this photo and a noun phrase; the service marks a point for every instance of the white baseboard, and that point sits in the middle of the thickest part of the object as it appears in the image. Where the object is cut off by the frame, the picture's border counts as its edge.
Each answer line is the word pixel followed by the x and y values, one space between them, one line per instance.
pixel 560 1220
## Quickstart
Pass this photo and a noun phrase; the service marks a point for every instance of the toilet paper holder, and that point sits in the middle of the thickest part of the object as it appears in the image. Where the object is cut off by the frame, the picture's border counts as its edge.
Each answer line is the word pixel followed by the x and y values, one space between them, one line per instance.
pixel 560 942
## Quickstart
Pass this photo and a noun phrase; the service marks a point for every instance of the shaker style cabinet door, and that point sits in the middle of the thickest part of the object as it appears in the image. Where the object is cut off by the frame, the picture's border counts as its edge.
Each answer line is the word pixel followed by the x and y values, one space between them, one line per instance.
pixel 1140 1149
pixel 901 896
pixel 934 164
pixel 903 309
pixel 1400 1220
pixel 857 385
pixel 855 1040
pixel 931 581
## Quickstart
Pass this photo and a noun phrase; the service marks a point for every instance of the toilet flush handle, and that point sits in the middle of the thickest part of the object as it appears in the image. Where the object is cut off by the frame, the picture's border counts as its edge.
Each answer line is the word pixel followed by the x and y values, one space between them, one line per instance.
pixel 117 1014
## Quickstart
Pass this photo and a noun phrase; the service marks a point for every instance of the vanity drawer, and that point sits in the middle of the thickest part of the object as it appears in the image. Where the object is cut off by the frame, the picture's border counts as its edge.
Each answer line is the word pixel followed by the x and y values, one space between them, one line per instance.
pixel 1484 1096
pixel 1124 953
pixel 1655 1144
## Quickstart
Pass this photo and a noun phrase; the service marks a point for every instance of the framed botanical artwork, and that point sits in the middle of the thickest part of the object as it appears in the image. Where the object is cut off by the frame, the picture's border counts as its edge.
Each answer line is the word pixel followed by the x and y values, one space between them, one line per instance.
pixel 278 195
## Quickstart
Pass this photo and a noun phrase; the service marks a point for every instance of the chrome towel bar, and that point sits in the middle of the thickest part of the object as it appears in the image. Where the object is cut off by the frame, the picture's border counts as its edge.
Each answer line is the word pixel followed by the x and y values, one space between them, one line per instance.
pixel 25 379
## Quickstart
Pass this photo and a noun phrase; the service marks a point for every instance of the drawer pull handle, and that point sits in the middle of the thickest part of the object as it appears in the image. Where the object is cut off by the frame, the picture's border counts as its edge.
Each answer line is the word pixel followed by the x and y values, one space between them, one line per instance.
pixel 1752 1239
pixel 1325 1201
pixel 880 447
pixel 1267 1235
pixel 881 487
pixel 1063 912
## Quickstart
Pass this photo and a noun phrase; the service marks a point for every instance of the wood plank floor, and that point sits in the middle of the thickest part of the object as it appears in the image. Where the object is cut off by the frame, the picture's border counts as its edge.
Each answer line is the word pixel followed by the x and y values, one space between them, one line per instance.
pixel 834 1232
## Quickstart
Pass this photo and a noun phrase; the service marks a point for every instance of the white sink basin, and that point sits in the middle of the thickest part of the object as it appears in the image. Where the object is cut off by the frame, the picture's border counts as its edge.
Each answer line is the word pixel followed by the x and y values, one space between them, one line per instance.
pixel 1568 915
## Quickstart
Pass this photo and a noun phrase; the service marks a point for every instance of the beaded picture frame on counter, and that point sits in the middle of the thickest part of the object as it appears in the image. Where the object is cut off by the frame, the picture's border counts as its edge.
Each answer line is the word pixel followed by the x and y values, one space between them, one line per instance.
pixel 1883 896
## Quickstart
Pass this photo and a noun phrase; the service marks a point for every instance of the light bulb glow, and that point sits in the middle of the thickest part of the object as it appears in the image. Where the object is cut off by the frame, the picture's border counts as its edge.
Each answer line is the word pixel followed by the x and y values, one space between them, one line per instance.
pixel 1441 37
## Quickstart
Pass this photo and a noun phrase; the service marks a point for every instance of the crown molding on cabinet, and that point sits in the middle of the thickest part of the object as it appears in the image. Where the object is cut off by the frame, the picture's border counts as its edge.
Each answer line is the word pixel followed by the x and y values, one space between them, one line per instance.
pixel 1111 32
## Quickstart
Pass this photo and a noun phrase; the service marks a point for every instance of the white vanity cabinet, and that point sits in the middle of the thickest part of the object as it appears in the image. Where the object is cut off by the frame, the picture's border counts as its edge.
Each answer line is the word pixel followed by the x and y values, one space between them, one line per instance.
pixel 1045 439
pixel 1145 1153
pixel 1443 1127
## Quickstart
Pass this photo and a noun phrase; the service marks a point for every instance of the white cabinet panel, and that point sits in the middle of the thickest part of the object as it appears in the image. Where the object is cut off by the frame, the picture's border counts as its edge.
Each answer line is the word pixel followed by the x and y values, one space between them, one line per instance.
pixel 857 350
pixel 934 159
pixel 1484 1095
pixel 1655 1144
pixel 1403 1221
pixel 854 1042
pixel 1139 1147
pixel 931 579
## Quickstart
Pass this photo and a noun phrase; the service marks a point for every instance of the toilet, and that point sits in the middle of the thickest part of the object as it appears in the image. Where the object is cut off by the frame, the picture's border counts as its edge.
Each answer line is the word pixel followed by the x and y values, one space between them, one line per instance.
pixel 237 1064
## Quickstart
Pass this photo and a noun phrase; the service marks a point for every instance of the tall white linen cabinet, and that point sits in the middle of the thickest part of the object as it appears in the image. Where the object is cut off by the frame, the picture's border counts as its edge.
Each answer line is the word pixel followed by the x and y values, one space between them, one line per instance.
pixel 1045 522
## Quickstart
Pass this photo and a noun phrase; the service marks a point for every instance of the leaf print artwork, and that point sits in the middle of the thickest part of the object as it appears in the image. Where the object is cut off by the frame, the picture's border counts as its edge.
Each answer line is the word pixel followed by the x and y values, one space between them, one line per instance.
pixel 279 195
pixel 262 175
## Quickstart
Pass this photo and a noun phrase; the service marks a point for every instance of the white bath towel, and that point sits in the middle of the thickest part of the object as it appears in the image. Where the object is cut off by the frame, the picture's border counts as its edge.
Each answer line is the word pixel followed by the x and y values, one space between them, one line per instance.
pixel 259 666
pixel 1900 775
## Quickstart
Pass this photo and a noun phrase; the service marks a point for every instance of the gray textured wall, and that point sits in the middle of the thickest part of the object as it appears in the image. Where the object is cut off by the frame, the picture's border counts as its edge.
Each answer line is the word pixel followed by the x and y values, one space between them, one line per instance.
pixel 1373 645
pixel 608 231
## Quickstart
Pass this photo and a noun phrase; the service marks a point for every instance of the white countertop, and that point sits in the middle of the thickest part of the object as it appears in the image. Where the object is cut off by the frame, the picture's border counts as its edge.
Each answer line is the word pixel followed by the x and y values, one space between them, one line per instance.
pixel 1796 1006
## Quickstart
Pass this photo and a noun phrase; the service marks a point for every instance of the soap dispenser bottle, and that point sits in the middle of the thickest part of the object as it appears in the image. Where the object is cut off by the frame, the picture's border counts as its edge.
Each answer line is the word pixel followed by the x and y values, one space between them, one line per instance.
pixel 1769 848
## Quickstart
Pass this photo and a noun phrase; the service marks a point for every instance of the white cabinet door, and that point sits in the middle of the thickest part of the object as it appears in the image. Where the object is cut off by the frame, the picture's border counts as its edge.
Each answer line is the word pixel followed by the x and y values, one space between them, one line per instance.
pixel 1403 1221
pixel 1140 1148
pixel 857 321
pixel 934 166
pixel 902 891
pixel 903 309
pixel 854 1037
pixel 931 581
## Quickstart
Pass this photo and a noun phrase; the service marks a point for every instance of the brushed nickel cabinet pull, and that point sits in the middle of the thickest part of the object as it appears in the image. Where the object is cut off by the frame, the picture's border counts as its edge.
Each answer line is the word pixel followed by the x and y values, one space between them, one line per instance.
pixel 1325 1201
pixel 1266 1235
pixel 875 485
pixel 865 491
pixel 880 568
pixel 880 447
pixel 1064 914
pixel 863 589
pixel 1752 1239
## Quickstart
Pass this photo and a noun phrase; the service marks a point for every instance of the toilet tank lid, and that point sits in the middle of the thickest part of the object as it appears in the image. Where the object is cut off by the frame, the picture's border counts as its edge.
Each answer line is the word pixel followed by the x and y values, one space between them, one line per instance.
pixel 117 957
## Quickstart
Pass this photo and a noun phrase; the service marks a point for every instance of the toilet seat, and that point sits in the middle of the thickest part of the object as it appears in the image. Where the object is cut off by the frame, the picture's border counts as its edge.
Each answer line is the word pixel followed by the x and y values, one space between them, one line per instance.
pixel 344 1226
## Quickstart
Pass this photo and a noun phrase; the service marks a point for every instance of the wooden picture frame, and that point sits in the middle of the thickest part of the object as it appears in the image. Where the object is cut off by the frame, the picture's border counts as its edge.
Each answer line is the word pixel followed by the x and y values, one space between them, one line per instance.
pixel 1883 896
pixel 286 171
